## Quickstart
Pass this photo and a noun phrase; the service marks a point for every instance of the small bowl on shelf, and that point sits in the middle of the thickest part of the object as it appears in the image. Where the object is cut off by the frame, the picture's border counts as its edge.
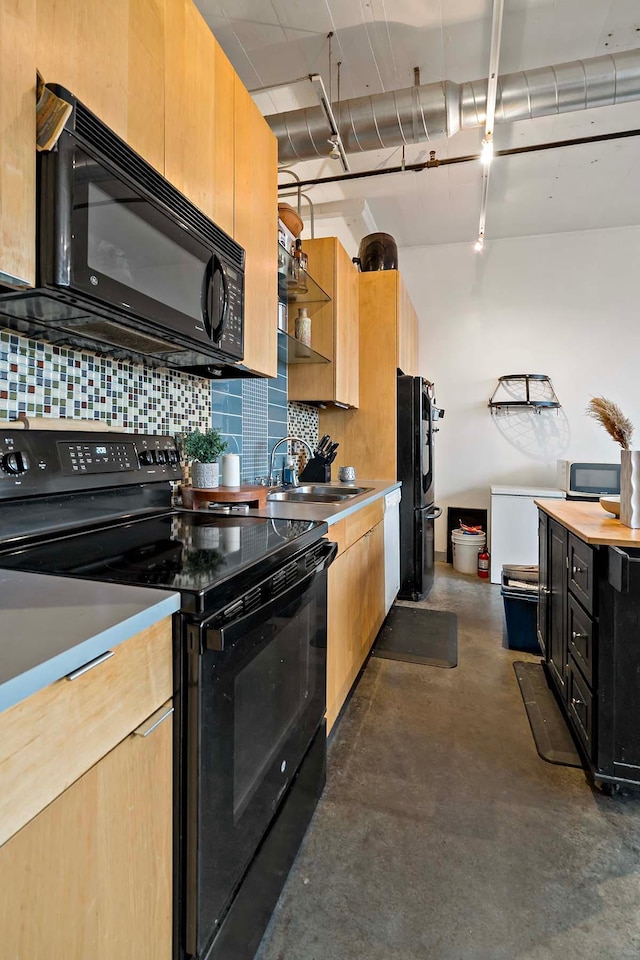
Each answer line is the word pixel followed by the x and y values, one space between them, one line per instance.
pixel 611 504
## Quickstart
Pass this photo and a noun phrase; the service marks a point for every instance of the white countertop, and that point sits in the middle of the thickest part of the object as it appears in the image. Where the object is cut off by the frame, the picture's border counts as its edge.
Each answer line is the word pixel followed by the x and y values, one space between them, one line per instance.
pixel 53 625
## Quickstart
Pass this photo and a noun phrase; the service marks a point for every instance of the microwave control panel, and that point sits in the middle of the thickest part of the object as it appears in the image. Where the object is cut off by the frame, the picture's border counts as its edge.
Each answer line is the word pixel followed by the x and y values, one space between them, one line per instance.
pixel 231 339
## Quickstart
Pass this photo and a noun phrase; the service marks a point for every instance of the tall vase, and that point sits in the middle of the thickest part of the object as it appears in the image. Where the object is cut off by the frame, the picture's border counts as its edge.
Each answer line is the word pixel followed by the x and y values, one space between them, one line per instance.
pixel 630 488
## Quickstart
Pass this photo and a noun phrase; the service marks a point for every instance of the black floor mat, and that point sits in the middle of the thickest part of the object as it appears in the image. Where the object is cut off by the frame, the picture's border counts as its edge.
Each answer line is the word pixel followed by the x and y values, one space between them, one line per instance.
pixel 419 636
pixel 551 734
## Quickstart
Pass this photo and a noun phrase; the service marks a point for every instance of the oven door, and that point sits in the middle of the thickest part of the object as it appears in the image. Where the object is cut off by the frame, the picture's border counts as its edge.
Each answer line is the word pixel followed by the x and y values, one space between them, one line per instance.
pixel 256 694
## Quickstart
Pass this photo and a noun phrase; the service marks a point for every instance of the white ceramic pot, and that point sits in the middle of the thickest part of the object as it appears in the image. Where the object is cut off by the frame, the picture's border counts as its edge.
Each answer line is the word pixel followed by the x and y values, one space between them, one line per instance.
pixel 205 476
pixel 630 488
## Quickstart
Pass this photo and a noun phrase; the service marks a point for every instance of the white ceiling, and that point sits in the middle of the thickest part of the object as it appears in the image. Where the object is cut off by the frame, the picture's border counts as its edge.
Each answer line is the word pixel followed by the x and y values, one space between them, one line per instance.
pixel 379 42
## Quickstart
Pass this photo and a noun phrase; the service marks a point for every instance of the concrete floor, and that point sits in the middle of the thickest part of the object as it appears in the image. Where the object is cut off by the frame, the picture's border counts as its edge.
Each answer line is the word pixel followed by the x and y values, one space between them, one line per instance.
pixel 441 835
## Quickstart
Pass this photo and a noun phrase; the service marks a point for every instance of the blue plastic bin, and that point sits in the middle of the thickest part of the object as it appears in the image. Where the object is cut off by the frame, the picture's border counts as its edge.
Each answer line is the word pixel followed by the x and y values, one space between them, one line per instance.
pixel 521 615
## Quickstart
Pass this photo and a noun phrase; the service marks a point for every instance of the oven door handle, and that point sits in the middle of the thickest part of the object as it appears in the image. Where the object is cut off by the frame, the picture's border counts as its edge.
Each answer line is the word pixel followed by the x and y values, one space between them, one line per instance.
pixel 222 638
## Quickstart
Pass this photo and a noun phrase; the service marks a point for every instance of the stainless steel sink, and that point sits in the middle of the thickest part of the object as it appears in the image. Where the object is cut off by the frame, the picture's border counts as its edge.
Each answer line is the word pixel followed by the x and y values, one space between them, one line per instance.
pixel 317 493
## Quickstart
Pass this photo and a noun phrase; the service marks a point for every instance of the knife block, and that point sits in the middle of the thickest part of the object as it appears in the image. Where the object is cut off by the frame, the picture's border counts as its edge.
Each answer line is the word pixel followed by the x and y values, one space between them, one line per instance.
pixel 316 471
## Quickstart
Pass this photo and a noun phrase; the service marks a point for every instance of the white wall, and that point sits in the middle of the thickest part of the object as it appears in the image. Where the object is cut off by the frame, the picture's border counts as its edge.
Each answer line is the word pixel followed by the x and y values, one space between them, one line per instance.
pixel 566 305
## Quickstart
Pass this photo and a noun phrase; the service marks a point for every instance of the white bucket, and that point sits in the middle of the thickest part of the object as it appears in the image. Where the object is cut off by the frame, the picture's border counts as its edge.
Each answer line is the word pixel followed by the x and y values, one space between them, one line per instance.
pixel 466 547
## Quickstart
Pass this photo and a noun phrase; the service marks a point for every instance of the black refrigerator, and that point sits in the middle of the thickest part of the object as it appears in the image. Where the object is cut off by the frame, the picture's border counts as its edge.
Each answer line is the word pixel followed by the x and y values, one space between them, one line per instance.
pixel 418 418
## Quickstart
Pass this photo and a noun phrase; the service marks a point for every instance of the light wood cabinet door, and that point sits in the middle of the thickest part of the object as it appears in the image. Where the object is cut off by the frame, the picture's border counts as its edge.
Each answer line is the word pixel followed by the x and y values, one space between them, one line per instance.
pixel 224 153
pixel 91 875
pixel 17 142
pixel 374 587
pixel 256 229
pixel 367 436
pixel 111 55
pixel 145 80
pixel 190 104
pixel 407 331
pixel 199 114
pixel 355 614
pixel 334 329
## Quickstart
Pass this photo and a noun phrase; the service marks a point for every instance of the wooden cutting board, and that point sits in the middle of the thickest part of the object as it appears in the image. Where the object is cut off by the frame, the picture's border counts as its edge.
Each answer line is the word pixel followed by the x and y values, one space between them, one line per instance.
pixel 25 422
pixel 251 493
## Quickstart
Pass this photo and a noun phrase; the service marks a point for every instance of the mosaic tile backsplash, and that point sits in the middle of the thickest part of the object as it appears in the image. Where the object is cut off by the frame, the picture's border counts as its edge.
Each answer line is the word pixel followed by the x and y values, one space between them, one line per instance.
pixel 46 381
pixel 41 380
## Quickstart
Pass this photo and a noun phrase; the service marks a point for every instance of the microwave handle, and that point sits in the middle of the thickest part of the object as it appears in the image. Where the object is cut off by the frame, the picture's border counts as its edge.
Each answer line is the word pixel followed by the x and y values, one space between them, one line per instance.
pixel 216 327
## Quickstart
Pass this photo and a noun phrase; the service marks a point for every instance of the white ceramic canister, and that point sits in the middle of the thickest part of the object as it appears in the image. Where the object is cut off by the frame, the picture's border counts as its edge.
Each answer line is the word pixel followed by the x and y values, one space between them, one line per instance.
pixel 230 470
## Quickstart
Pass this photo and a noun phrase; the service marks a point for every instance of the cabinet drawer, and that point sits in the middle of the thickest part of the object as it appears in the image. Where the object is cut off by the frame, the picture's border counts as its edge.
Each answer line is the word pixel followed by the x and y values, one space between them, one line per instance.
pixel 50 739
pixel 360 522
pixel 581 573
pixel 580 705
pixel 582 637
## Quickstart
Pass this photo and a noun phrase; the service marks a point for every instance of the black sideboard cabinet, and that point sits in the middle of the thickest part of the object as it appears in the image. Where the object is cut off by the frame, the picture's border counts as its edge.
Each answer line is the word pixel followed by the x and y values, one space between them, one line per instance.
pixel 589 633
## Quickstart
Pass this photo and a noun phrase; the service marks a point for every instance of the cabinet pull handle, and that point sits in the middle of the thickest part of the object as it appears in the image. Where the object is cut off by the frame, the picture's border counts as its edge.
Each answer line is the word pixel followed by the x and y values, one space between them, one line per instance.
pixel 90 665
pixel 576 570
pixel 153 721
pixel 578 636
pixel 575 702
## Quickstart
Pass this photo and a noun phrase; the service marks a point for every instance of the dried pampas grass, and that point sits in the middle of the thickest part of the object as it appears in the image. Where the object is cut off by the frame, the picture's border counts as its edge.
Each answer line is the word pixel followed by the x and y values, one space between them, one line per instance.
pixel 612 419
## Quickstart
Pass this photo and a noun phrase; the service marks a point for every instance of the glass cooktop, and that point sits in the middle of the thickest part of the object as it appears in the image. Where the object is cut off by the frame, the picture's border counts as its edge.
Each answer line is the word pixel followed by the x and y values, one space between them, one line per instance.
pixel 189 552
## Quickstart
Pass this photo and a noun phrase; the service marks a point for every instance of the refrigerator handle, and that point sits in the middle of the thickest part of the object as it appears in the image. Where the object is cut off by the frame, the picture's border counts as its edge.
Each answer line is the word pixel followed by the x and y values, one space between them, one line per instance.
pixel 433 515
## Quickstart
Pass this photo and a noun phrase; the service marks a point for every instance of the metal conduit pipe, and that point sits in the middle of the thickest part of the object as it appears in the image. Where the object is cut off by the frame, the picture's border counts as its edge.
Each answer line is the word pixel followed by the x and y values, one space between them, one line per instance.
pixel 436 110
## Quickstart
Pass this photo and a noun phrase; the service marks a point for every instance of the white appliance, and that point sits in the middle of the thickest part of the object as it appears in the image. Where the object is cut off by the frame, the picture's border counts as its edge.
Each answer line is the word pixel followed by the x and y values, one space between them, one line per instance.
pixel 588 481
pixel 514 525
pixel 391 547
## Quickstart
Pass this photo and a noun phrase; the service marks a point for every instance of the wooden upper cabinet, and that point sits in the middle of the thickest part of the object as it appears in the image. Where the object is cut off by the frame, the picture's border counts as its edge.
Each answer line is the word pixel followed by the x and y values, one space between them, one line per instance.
pixel 407 332
pixel 224 142
pixel 145 86
pixel 256 229
pixel 110 54
pixel 199 122
pixel 388 341
pixel 17 142
pixel 334 329
pixel 190 104
pixel 81 45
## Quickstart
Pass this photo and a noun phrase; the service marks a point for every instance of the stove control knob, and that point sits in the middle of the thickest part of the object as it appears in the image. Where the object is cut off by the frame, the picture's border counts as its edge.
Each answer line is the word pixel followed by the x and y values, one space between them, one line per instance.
pixel 15 463
pixel 161 456
pixel 173 456
pixel 147 457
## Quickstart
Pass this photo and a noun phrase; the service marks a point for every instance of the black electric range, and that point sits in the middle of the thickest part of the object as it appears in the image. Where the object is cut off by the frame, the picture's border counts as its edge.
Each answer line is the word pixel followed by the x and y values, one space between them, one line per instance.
pixel 249 656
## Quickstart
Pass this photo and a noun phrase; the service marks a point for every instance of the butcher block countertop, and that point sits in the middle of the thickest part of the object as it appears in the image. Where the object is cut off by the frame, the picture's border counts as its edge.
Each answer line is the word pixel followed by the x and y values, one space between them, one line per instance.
pixel 591 523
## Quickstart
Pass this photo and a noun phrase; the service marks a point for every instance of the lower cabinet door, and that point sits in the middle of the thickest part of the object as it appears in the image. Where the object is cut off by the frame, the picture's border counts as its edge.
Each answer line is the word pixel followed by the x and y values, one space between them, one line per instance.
pixel 355 613
pixel 580 706
pixel 91 875
pixel 557 610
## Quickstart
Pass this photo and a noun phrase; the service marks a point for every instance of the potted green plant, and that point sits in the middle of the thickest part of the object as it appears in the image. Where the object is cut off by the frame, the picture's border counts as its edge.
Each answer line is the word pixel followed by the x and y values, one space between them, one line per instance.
pixel 203 450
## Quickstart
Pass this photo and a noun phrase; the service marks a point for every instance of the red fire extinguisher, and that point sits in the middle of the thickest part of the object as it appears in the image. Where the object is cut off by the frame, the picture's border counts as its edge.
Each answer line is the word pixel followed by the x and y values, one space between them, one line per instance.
pixel 484 558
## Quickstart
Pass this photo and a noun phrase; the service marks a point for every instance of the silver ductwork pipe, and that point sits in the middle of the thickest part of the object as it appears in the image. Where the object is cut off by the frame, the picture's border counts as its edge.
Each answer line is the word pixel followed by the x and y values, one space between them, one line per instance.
pixel 436 110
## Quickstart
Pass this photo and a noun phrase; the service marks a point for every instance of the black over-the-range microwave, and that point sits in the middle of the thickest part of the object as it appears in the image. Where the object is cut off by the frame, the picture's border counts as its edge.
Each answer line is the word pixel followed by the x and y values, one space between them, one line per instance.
pixel 126 265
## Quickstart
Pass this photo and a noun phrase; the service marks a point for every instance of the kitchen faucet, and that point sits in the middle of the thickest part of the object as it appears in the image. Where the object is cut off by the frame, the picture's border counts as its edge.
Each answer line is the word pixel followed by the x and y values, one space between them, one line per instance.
pixel 273 453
